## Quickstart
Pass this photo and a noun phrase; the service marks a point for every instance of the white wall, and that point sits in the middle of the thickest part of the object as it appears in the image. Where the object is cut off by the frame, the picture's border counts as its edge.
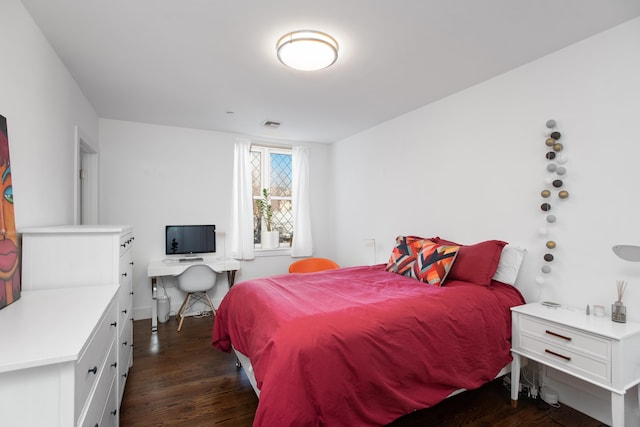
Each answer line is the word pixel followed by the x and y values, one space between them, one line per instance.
pixel 43 105
pixel 471 167
pixel 152 176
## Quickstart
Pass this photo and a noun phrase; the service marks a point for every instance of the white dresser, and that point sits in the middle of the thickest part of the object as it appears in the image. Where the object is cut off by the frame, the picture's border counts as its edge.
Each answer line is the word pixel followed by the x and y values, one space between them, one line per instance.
pixel 81 256
pixel 591 348
pixel 58 362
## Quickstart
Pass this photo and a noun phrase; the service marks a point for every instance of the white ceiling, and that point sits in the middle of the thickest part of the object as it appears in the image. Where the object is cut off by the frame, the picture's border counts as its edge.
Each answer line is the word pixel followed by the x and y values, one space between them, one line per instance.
pixel 188 62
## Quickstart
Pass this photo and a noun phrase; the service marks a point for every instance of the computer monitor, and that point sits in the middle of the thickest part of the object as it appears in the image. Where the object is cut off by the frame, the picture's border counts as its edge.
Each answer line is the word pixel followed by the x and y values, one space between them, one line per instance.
pixel 190 239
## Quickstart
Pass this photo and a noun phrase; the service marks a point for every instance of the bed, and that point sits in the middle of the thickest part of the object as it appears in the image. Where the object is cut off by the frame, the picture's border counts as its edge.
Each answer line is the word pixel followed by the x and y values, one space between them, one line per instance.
pixel 364 345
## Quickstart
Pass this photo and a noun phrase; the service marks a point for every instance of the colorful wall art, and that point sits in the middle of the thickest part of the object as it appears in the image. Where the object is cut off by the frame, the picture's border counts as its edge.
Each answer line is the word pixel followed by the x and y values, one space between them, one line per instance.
pixel 9 260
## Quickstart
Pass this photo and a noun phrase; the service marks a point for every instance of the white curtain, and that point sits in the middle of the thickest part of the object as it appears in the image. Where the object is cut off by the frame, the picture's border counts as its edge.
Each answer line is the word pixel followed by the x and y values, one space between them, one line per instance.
pixel 302 243
pixel 242 202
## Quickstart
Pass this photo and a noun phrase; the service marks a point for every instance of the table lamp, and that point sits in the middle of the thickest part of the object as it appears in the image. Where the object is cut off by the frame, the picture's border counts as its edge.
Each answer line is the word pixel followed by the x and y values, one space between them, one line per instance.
pixel 627 252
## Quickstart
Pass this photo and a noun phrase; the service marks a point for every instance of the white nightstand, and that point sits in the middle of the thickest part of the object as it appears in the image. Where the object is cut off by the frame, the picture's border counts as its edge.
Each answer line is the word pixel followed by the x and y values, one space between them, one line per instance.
pixel 591 348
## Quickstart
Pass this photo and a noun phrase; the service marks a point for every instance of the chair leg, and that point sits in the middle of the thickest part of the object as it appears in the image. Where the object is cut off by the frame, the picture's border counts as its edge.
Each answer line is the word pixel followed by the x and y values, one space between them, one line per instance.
pixel 184 302
pixel 213 309
pixel 180 312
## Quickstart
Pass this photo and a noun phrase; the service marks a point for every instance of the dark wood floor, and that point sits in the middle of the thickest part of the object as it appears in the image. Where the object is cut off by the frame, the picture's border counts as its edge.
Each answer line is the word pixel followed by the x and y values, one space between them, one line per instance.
pixel 179 379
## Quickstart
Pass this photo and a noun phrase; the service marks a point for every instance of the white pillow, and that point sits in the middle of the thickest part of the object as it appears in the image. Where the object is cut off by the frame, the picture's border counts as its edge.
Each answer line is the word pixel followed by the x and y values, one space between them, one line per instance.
pixel 510 260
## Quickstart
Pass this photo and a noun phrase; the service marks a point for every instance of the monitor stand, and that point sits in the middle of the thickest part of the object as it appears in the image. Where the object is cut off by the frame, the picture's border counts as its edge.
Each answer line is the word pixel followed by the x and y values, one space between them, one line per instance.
pixel 191 259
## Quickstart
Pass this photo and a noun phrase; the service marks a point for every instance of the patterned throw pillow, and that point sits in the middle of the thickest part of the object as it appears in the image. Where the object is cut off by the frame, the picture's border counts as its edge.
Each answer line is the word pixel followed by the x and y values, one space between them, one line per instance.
pixel 434 262
pixel 405 253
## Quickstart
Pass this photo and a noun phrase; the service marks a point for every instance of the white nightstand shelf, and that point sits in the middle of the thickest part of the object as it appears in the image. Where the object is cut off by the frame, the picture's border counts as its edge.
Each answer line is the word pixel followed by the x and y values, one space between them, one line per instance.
pixel 594 349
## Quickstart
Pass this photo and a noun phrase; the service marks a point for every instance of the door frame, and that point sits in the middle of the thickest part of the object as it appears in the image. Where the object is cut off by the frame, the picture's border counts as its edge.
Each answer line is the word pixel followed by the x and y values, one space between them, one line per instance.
pixel 85 209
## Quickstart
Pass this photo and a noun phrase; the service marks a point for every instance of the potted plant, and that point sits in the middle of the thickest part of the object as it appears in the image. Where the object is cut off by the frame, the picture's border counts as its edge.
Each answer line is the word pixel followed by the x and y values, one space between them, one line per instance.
pixel 269 238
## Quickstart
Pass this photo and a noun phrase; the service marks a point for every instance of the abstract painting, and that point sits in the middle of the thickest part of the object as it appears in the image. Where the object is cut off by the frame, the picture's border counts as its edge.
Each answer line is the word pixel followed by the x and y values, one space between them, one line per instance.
pixel 9 260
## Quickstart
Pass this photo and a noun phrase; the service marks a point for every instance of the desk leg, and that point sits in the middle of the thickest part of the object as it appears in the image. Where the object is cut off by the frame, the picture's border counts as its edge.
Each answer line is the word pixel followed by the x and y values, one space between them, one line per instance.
pixel 231 277
pixel 154 305
pixel 515 379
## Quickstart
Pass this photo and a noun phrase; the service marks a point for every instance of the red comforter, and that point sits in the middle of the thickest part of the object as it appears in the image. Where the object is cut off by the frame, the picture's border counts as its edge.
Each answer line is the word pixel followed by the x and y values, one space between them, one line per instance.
pixel 361 346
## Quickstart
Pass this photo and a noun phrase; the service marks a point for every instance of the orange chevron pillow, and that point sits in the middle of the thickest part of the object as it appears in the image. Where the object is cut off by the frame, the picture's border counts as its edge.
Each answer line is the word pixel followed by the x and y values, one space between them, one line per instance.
pixel 434 263
pixel 422 259
pixel 405 253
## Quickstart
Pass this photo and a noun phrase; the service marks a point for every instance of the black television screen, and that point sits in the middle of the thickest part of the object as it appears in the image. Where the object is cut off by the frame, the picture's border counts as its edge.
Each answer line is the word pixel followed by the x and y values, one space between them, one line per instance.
pixel 190 239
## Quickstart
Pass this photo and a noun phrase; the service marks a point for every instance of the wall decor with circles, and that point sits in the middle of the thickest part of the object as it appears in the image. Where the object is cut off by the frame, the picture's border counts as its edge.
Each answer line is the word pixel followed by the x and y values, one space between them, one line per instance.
pixel 553 193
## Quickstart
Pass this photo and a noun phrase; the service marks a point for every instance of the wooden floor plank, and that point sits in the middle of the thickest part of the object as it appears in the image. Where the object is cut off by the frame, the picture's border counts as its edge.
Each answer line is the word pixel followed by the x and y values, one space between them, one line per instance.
pixel 178 379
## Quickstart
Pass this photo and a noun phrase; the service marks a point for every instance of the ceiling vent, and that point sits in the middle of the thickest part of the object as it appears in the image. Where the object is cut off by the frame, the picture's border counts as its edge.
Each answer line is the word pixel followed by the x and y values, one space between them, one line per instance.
pixel 271 124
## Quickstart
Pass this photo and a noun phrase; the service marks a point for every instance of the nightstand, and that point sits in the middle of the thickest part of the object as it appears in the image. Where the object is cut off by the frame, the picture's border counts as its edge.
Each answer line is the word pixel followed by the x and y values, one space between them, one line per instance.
pixel 594 349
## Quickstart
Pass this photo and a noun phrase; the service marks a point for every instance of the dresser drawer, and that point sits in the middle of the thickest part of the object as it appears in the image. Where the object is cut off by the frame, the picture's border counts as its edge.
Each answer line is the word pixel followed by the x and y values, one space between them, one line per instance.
pixel 92 360
pixel 101 401
pixel 125 356
pixel 111 415
pixel 566 337
pixel 126 241
pixel 124 309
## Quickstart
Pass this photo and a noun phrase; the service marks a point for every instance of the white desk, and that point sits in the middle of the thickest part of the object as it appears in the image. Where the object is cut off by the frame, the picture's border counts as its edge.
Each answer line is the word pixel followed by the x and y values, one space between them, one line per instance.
pixel 173 267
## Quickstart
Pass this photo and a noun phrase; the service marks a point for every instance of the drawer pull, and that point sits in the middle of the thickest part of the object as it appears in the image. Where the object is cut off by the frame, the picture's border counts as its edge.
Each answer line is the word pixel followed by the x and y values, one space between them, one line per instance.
pixel 567 358
pixel 114 412
pixel 124 274
pixel 114 324
pixel 558 335
pixel 93 370
pixel 124 343
pixel 124 311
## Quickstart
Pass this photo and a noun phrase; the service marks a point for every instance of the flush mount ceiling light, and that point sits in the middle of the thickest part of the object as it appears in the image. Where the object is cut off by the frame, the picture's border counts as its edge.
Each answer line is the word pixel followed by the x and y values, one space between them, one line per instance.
pixel 307 50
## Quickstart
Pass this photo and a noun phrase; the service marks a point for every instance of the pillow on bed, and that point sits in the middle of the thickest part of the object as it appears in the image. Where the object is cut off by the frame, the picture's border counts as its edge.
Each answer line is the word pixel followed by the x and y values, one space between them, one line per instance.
pixel 475 263
pixel 509 265
pixel 434 263
pixel 405 253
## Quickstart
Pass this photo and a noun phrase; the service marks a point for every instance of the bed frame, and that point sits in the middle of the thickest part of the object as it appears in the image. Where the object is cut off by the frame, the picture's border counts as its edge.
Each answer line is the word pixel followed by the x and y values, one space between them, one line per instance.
pixel 243 362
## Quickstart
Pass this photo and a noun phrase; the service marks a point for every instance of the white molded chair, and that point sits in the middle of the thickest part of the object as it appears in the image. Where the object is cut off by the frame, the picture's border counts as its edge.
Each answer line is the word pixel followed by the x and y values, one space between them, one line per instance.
pixel 195 281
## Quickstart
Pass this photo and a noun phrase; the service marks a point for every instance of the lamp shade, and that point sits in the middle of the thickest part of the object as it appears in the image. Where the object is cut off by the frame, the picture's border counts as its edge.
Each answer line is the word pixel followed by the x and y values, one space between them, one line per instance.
pixel 627 252
pixel 307 50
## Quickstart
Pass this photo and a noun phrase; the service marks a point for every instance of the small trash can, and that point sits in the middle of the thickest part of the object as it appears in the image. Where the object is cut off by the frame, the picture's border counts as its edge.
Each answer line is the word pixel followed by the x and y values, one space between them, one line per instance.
pixel 164 304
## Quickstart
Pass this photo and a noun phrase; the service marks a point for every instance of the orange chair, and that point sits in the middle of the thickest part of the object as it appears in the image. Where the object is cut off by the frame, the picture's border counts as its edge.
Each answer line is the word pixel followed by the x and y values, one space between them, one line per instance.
pixel 309 265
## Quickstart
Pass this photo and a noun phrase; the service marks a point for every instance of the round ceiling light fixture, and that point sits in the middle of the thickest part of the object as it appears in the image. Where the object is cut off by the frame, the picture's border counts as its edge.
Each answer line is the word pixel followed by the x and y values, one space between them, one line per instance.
pixel 307 50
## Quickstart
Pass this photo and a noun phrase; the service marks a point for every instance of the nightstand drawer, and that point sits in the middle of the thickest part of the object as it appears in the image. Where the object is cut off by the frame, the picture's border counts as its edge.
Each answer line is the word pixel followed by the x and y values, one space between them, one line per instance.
pixel 562 357
pixel 566 338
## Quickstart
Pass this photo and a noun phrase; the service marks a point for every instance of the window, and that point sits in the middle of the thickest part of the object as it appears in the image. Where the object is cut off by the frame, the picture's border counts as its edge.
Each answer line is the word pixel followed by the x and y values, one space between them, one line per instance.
pixel 271 168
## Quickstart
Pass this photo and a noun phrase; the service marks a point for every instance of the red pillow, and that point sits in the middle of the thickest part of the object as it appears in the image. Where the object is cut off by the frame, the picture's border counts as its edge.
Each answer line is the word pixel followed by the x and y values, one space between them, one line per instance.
pixel 475 263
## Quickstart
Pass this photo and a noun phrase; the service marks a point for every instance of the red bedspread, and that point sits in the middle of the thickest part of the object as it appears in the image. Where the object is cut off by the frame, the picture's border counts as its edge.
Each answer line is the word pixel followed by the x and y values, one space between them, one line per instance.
pixel 361 346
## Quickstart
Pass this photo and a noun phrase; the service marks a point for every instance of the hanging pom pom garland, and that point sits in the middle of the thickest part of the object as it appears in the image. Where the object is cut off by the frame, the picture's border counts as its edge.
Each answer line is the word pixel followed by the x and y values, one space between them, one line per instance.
pixel 554 182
